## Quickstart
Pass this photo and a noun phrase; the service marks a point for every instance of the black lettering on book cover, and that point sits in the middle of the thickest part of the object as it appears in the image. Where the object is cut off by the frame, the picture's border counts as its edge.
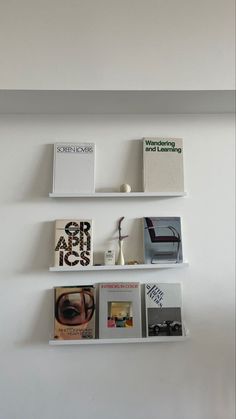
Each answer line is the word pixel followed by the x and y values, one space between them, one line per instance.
pixel 74 245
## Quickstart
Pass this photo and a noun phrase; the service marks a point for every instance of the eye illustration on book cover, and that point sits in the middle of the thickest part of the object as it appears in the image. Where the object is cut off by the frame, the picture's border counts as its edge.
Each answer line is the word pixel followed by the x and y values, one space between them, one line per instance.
pixel 73 243
pixel 74 313
pixel 162 240
pixel 163 310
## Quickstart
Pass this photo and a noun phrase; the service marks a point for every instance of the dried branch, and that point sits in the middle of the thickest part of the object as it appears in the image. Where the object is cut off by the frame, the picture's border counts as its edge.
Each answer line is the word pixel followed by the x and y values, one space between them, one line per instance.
pixel 119 229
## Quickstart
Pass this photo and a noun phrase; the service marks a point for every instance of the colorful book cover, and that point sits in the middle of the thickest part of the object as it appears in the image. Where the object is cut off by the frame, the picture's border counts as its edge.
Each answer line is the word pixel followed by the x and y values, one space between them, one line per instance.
pixel 163 165
pixel 74 313
pixel 163 310
pixel 119 310
pixel 73 243
pixel 74 168
pixel 162 240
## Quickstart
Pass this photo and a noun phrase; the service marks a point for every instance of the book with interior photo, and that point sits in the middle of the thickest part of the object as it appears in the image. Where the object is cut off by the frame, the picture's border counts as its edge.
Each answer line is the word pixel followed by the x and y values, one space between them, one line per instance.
pixel 73 243
pixel 119 310
pixel 74 312
pixel 163 165
pixel 163 310
pixel 74 168
pixel 162 240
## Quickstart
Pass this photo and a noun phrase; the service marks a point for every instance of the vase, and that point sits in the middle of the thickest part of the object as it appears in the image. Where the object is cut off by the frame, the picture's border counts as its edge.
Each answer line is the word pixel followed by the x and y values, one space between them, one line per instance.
pixel 120 259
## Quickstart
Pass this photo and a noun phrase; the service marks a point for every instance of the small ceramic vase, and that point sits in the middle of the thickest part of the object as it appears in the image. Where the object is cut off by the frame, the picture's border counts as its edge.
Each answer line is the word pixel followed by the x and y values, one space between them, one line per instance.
pixel 120 259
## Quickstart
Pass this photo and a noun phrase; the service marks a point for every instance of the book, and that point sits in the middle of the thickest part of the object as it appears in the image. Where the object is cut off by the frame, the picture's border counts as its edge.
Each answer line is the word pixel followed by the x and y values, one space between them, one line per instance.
pixel 119 310
pixel 163 165
pixel 163 304
pixel 74 168
pixel 162 240
pixel 74 312
pixel 73 243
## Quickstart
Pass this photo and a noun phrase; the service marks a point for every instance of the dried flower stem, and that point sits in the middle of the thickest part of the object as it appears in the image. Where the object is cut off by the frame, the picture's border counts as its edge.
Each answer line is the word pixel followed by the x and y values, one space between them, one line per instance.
pixel 119 229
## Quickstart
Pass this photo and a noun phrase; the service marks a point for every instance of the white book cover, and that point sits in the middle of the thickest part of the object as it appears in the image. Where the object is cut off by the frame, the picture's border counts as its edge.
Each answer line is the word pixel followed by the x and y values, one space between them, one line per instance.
pixel 74 168
pixel 163 309
pixel 119 310
pixel 73 243
pixel 163 165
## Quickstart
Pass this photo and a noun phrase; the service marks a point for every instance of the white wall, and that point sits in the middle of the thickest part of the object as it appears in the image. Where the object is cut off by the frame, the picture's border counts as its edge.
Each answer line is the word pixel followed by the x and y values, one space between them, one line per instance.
pixel 188 380
pixel 111 44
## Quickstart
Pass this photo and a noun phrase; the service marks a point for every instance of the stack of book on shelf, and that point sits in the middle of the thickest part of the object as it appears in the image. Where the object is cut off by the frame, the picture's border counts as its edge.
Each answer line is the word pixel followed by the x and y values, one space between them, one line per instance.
pixel 120 314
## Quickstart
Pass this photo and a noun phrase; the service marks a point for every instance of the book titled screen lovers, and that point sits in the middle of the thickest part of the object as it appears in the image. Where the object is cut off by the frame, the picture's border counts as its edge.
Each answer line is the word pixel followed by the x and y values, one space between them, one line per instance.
pixel 119 310
pixel 73 243
pixel 74 168
pixel 74 312
pixel 163 309
pixel 163 165
pixel 162 240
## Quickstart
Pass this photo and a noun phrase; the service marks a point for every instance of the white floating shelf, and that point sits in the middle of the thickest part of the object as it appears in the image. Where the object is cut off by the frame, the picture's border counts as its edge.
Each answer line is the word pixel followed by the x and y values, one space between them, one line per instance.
pixel 116 101
pixel 116 195
pixel 154 339
pixel 117 267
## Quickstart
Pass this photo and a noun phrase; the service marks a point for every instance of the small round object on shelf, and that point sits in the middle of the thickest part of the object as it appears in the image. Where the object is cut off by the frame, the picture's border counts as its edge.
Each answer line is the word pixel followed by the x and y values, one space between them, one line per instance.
pixel 125 188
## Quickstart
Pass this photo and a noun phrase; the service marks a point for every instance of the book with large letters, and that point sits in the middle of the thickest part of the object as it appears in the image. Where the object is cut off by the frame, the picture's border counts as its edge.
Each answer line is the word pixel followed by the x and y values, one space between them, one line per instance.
pixel 74 312
pixel 163 165
pixel 163 309
pixel 74 168
pixel 73 243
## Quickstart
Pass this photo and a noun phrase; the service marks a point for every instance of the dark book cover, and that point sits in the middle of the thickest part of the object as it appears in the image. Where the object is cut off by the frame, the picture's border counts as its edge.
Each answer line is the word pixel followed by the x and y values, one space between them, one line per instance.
pixel 162 240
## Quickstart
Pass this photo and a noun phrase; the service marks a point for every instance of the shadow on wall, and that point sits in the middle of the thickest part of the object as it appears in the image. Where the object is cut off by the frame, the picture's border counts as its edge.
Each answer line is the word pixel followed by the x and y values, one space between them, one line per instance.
pixel 129 167
pixel 40 255
pixel 31 179
pixel 40 183
pixel 42 323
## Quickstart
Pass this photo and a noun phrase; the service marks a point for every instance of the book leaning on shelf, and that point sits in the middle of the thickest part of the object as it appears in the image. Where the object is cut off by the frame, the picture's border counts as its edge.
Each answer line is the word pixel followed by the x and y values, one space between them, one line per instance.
pixel 74 313
pixel 119 310
pixel 74 168
pixel 73 243
pixel 163 310
pixel 163 165
pixel 162 240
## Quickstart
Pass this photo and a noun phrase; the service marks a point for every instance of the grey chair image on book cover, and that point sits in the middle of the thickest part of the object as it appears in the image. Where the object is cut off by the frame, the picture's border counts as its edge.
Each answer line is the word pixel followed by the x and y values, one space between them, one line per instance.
pixel 165 242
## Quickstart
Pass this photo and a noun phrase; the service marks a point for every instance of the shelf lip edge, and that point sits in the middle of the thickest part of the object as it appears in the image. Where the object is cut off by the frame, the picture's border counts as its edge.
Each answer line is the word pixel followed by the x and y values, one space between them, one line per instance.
pixel 163 339
pixel 120 267
pixel 117 194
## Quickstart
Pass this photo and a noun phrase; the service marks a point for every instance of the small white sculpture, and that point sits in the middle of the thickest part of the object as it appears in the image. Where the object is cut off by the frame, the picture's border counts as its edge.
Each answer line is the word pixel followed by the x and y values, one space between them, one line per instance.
pixel 125 188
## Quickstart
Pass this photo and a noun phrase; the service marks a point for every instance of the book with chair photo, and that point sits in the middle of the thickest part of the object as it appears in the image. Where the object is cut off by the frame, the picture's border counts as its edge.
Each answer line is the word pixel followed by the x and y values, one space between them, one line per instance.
pixel 162 240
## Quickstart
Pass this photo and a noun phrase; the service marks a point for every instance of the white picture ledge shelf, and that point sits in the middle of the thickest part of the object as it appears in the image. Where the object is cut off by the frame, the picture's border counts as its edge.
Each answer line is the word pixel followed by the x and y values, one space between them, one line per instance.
pixel 116 195
pixel 154 339
pixel 117 267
